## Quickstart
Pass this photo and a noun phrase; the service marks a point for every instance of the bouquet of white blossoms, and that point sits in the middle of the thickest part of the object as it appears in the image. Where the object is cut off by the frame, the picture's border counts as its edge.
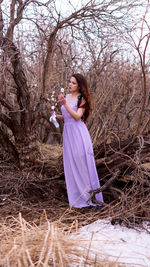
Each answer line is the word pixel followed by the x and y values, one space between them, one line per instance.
pixel 53 116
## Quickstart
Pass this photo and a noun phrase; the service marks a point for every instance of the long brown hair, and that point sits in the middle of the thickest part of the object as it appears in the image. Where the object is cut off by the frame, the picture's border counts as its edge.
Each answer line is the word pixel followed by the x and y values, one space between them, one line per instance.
pixel 84 94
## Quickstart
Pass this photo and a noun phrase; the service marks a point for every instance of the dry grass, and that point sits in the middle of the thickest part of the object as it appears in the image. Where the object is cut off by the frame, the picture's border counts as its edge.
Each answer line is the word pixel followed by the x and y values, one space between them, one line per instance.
pixel 50 154
pixel 46 244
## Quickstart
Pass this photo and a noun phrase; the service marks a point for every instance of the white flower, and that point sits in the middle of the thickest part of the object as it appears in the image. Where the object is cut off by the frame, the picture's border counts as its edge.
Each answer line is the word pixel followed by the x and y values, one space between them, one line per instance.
pixel 53 107
pixel 52 98
pixel 62 90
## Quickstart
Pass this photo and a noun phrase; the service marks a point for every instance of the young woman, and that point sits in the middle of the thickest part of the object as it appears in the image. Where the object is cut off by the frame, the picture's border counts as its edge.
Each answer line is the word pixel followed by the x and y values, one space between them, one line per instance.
pixel 79 164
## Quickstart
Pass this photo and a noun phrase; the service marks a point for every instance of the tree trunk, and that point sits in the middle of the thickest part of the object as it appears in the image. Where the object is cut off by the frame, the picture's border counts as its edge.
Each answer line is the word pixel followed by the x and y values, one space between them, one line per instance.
pixel 18 118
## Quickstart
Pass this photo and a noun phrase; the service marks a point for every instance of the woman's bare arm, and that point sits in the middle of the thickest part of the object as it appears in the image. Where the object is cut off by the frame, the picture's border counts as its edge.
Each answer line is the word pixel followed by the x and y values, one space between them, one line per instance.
pixel 59 117
pixel 75 114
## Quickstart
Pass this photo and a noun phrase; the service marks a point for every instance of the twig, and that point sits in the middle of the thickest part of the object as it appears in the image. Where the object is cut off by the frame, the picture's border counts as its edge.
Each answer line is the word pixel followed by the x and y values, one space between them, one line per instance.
pixel 101 189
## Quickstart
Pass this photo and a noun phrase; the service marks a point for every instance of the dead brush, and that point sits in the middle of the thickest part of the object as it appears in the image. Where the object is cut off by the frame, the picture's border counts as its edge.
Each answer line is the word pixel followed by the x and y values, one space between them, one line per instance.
pixel 48 244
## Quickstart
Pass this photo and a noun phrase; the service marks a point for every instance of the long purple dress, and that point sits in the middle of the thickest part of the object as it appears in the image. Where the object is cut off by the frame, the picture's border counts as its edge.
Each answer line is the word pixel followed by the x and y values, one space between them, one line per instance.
pixel 79 164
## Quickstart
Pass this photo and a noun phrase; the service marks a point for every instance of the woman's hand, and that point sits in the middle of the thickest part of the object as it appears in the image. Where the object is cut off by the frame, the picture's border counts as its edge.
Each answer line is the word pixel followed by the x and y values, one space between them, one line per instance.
pixel 51 112
pixel 62 99
pixel 58 116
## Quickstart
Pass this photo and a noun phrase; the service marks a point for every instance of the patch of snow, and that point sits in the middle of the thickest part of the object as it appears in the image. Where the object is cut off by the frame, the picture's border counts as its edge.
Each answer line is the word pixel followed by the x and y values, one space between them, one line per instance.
pixel 117 243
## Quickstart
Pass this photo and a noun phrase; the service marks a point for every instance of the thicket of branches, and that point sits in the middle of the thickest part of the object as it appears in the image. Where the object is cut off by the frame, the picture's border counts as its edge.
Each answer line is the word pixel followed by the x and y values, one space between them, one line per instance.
pixel 41 46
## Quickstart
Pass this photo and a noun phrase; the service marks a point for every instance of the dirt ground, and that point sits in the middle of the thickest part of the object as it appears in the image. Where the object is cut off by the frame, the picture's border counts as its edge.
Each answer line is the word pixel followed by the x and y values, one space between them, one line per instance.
pixel 37 198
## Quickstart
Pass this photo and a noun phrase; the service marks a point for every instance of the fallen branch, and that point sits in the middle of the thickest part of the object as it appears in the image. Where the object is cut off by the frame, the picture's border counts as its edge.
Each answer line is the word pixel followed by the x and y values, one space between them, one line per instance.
pixel 101 189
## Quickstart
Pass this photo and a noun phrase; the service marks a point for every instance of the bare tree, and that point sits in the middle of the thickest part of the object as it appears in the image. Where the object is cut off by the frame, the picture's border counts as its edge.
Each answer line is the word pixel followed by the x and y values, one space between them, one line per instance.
pixel 90 19
pixel 140 42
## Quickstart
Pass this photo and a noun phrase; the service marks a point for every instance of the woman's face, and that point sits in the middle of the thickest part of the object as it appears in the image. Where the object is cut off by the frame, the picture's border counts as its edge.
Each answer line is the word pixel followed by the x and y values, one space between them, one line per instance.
pixel 73 85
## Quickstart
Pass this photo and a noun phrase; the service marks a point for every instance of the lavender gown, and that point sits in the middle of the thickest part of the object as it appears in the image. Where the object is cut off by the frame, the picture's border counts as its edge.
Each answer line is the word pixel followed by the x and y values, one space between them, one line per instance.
pixel 79 164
